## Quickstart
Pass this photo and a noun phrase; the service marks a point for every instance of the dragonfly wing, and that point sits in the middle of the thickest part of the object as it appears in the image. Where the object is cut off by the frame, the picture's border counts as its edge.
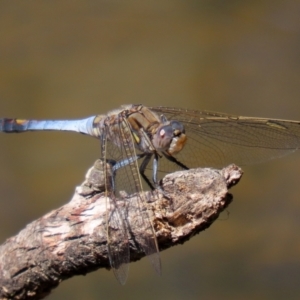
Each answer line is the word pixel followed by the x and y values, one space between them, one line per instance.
pixel 128 179
pixel 216 139
pixel 117 237
pixel 118 247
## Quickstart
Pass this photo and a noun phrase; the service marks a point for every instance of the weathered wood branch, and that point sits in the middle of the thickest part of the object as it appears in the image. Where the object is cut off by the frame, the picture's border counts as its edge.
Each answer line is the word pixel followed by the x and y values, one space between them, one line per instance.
pixel 71 240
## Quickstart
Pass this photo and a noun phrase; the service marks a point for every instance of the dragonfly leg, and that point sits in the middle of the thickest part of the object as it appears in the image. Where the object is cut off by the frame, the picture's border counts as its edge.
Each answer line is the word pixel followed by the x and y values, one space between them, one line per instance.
pixel 175 161
pixel 155 168
pixel 154 174
pixel 154 177
pixel 143 166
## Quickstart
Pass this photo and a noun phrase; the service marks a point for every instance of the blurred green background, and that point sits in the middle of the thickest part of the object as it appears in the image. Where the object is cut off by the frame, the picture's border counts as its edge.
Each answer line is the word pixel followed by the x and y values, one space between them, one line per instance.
pixel 66 59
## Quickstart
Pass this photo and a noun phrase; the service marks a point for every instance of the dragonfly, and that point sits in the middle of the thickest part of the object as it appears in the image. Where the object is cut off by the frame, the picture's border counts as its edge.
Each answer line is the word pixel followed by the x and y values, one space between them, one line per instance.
pixel 145 142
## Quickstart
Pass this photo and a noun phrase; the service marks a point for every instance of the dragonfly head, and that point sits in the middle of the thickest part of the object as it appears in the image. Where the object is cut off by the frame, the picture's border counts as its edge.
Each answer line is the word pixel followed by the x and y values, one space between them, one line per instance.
pixel 170 137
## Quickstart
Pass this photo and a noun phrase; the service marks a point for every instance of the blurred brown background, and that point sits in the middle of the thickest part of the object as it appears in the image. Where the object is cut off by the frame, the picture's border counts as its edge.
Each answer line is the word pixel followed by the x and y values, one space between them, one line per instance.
pixel 62 59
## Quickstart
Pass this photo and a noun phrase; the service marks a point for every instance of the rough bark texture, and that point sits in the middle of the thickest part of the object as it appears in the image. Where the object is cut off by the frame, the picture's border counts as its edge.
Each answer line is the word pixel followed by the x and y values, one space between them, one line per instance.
pixel 71 240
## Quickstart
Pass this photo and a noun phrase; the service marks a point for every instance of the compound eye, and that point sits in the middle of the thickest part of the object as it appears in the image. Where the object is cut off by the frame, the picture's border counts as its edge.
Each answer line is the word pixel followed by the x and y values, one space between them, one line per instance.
pixel 162 133
pixel 163 138
pixel 166 131
pixel 177 127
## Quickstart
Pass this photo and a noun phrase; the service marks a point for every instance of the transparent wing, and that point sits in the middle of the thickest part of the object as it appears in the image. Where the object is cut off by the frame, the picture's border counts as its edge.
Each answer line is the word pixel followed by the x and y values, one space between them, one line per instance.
pixel 128 180
pixel 215 139
pixel 118 247
pixel 117 238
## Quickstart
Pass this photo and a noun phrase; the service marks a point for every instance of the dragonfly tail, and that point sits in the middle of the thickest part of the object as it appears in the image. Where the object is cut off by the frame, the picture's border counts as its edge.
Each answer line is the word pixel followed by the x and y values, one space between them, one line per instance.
pixel 84 126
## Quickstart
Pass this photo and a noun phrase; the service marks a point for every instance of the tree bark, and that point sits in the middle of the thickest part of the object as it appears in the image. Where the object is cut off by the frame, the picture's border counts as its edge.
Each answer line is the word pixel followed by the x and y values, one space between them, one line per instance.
pixel 71 240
